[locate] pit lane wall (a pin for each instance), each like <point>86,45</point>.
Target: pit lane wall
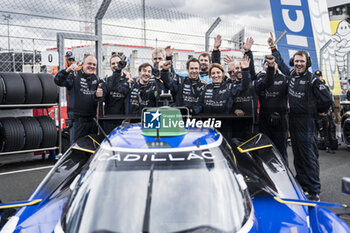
<point>308,28</point>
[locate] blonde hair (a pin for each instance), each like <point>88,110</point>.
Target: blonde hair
<point>158,50</point>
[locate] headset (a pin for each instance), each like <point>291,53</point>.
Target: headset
<point>308,59</point>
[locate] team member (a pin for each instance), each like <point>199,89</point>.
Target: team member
<point>69,59</point>
<point>231,72</point>
<point>187,90</point>
<point>114,99</point>
<point>159,56</point>
<point>326,125</point>
<point>205,60</point>
<point>272,90</point>
<point>143,93</point>
<point>81,93</point>
<point>305,90</point>
<point>218,96</point>
<point>244,103</point>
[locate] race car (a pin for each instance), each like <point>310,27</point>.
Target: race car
<point>167,174</point>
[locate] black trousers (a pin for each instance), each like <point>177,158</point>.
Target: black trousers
<point>277,131</point>
<point>243,128</point>
<point>303,132</point>
<point>327,130</point>
<point>109,125</point>
<point>81,127</point>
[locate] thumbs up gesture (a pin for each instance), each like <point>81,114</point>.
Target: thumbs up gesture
<point>99,91</point>
<point>72,67</point>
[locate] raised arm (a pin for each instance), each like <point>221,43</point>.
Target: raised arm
<point>282,66</point>
<point>246,78</point>
<point>63,79</point>
<point>216,54</point>
<point>247,51</point>
<point>271,69</point>
<point>171,84</point>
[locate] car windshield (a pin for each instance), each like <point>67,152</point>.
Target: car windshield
<point>158,192</point>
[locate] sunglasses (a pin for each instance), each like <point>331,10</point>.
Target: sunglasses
<point>71,59</point>
<point>231,72</point>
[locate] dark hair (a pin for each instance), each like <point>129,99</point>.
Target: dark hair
<point>113,56</point>
<point>301,53</point>
<point>144,65</point>
<point>205,55</point>
<point>216,65</point>
<point>192,60</point>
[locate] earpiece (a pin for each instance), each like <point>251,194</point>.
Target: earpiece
<point>308,60</point>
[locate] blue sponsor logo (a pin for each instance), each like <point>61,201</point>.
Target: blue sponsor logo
<point>151,120</point>
<point>294,17</point>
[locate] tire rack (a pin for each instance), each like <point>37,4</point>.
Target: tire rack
<point>13,156</point>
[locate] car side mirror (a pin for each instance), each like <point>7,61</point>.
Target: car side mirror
<point>345,185</point>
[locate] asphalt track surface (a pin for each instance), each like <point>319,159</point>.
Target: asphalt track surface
<point>19,180</point>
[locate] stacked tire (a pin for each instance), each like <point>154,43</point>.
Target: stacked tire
<point>27,88</point>
<point>25,133</point>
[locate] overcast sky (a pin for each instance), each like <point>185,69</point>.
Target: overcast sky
<point>245,12</point>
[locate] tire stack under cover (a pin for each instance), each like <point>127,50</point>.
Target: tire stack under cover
<point>24,133</point>
<point>27,88</point>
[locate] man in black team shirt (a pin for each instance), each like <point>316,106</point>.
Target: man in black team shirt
<point>81,96</point>
<point>143,93</point>
<point>305,91</point>
<point>186,90</point>
<point>272,89</point>
<point>114,99</point>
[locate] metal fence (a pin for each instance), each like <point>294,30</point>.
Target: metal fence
<point>28,33</point>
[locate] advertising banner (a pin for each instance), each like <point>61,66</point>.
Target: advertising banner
<point>308,28</point>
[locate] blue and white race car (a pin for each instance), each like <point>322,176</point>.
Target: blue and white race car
<point>170,179</point>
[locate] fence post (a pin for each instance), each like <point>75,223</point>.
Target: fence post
<point>210,30</point>
<point>33,63</point>
<point>133,68</point>
<point>22,56</point>
<point>14,62</point>
<point>98,32</point>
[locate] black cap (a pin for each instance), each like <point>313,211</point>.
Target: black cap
<point>318,73</point>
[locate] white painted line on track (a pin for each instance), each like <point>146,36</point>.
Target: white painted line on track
<point>25,170</point>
